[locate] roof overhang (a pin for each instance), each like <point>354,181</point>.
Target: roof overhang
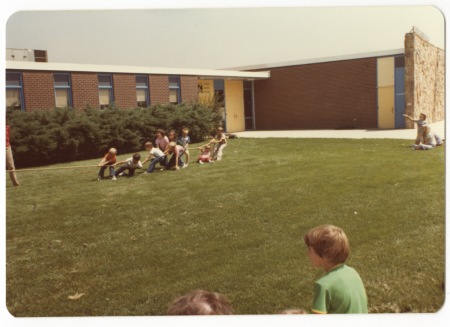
<point>200,73</point>
<point>375,54</point>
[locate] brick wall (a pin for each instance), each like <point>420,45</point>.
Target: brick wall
<point>38,91</point>
<point>159,89</point>
<point>85,90</point>
<point>318,96</point>
<point>424,79</point>
<point>125,90</point>
<point>189,88</point>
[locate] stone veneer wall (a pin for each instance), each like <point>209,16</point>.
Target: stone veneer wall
<point>424,79</point>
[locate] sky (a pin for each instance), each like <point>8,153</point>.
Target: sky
<point>217,37</point>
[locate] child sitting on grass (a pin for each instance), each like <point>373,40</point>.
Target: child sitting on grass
<point>205,155</point>
<point>108,161</point>
<point>131,164</point>
<point>155,154</point>
<point>341,289</point>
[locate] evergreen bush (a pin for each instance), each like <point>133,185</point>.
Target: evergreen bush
<point>61,135</point>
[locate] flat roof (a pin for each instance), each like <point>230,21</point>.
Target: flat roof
<point>384,53</point>
<point>201,73</point>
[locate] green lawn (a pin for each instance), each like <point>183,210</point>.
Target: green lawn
<point>235,227</point>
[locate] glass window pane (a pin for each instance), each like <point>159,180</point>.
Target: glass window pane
<point>62,98</point>
<point>174,82</point>
<point>12,79</point>
<point>13,98</point>
<point>141,81</point>
<point>141,95</point>
<point>104,80</point>
<point>104,96</point>
<point>61,80</point>
<point>173,96</point>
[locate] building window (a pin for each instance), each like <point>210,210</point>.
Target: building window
<point>105,90</point>
<point>63,92</point>
<point>142,94</point>
<point>14,91</point>
<point>174,90</point>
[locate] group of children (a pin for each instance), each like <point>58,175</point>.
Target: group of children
<point>159,153</point>
<point>425,139</point>
<point>339,290</point>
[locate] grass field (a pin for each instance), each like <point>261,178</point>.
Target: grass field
<point>234,227</point>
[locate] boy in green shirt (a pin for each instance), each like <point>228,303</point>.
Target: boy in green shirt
<point>341,289</point>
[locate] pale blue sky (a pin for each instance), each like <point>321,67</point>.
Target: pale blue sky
<point>217,38</point>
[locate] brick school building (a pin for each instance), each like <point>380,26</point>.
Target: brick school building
<point>364,91</point>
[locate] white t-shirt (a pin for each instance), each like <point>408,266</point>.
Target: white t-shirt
<point>156,152</point>
<point>131,164</point>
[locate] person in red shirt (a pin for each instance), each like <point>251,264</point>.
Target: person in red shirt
<point>10,159</point>
<point>108,161</point>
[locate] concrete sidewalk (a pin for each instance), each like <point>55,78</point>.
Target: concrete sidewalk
<point>406,134</point>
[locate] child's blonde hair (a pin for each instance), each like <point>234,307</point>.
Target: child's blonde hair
<point>329,242</point>
<point>148,144</point>
<point>113,151</point>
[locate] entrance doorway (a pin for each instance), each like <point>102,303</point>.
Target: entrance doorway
<point>248,106</point>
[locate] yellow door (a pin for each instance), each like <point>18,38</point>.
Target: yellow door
<point>234,106</point>
<point>386,92</point>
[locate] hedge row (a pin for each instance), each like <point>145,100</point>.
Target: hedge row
<point>63,135</point>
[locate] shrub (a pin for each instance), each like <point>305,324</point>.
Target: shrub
<point>62,135</point>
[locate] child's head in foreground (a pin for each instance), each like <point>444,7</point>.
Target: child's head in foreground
<point>200,302</point>
<point>329,243</point>
<point>220,130</point>
<point>112,151</point>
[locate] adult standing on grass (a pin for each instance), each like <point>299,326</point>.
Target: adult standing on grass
<point>9,157</point>
<point>420,123</point>
<point>341,289</point>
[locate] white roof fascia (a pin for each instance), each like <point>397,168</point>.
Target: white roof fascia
<point>385,53</point>
<point>201,73</point>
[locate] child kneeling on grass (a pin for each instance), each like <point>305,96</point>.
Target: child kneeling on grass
<point>131,164</point>
<point>108,161</point>
<point>341,289</point>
